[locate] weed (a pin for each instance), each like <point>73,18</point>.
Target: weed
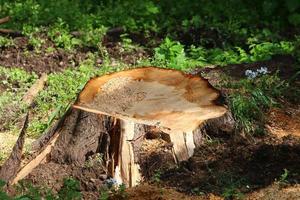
<point>265,50</point>
<point>126,42</point>
<point>170,54</point>
<point>156,178</point>
<point>50,50</point>
<point>59,33</point>
<point>3,194</point>
<point>34,41</point>
<point>15,82</point>
<point>284,177</point>
<point>70,190</point>
<point>93,37</point>
<point>104,195</point>
<point>95,160</point>
<point>114,191</point>
<point>6,42</point>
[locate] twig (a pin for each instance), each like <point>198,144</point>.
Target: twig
<point>10,32</point>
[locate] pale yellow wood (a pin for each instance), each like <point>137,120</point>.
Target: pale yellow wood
<point>36,161</point>
<point>127,171</point>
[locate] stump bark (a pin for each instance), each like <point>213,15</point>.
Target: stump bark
<point>114,114</point>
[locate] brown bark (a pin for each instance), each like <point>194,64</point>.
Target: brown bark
<point>11,166</point>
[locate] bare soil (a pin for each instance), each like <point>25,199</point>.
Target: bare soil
<point>42,61</point>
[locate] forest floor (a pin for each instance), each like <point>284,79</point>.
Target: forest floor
<point>265,166</point>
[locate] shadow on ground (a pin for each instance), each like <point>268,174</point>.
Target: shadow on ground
<point>229,166</point>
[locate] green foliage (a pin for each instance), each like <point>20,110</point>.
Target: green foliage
<point>33,39</point>
<point>170,54</point>
<point>253,97</point>
<point>93,37</point>
<point>127,44</point>
<point>62,89</point>
<point>6,42</point>
<point>26,191</point>
<point>284,177</point>
<point>114,192</point>
<point>156,178</point>
<point>70,190</point>
<point>17,76</point>
<point>13,85</point>
<point>265,50</point>
<point>60,35</point>
<point>3,194</point>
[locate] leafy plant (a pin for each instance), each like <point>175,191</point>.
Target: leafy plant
<point>113,191</point>
<point>284,176</point>
<point>6,42</point>
<point>60,35</point>
<point>70,190</point>
<point>33,40</point>
<point>170,54</point>
<point>126,42</point>
<point>156,178</point>
<point>93,37</point>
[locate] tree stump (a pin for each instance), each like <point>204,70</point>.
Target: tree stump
<point>114,112</point>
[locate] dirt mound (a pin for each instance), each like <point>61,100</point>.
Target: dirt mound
<point>284,122</point>
<point>150,192</point>
<point>276,191</point>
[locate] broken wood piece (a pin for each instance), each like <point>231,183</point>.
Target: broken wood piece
<point>4,20</point>
<point>10,32</point>
<point>11,166</point>
<point>30,95</point>
<point>35,162</point>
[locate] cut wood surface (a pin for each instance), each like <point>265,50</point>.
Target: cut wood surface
<point>116,113</point>
<point>153,96</point>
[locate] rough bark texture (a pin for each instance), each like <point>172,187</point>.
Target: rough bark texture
<point>11,166</point>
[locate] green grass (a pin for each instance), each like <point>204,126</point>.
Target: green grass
<point>14,82</point>
<point>25,190</point>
